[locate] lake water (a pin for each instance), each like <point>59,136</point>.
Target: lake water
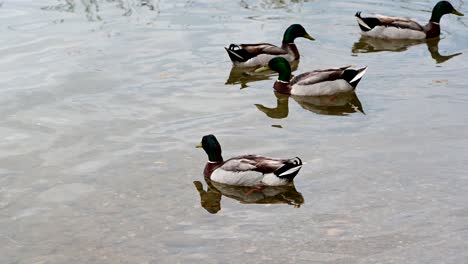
<point>102,103</point>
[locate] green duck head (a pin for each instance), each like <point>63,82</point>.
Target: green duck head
<point>295,31</point>
<point>279,65</point>
<point>442,8</point>
<point>212,148</point>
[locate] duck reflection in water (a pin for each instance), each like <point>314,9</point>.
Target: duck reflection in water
<point>243,76</point>
<point>369,45</point>
<point>339,105</point>
<point>210,199</point>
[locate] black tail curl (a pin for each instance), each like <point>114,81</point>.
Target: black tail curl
<point>297,161</point>
<point>292,163</point>
<point>234,47</point>
<point>237,54</point>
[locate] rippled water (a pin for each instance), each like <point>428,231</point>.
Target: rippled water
<point>102,102</point>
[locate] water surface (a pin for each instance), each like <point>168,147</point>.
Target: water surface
<point>102,102</point>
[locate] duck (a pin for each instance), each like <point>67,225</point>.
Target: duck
<point>386,27</point>
<point>314,83</point>
<point>255,55</point>
<point>247,170</point>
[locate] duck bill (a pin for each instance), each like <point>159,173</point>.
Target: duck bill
<point>455,12</point>
<point>263,69</point>
<point>307,36</point>
<point>199,145</point>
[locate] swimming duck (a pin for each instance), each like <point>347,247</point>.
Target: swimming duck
<point>314,83</point>
<point>403,28</point>
<point>254,55</point>
<point>247,170</point>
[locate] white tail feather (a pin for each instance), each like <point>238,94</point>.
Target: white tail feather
<point>290,171</point>
<point>362,23</point>
<point>230,51</point>
<point>359,75</point>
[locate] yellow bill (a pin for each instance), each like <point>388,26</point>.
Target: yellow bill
<point>199,145</point>
<point>307,36</point>
<point>455,12</point>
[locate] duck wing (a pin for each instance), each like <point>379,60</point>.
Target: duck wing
<point>399,22</point>
<point>263,48</point>
<point>317,76</point>
<point>262,164</point>
<point>251,170</point>
<point>244,52</point>
<point>352,76</point>
<point>239,164</point>
<point>368,23</point>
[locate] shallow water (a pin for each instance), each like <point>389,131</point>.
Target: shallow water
<point>102,103</point>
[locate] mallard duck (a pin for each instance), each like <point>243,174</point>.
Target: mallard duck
<point>314,83</point>
<point>254,55</point>
<point>403,28</point>
<point>247,170</point>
